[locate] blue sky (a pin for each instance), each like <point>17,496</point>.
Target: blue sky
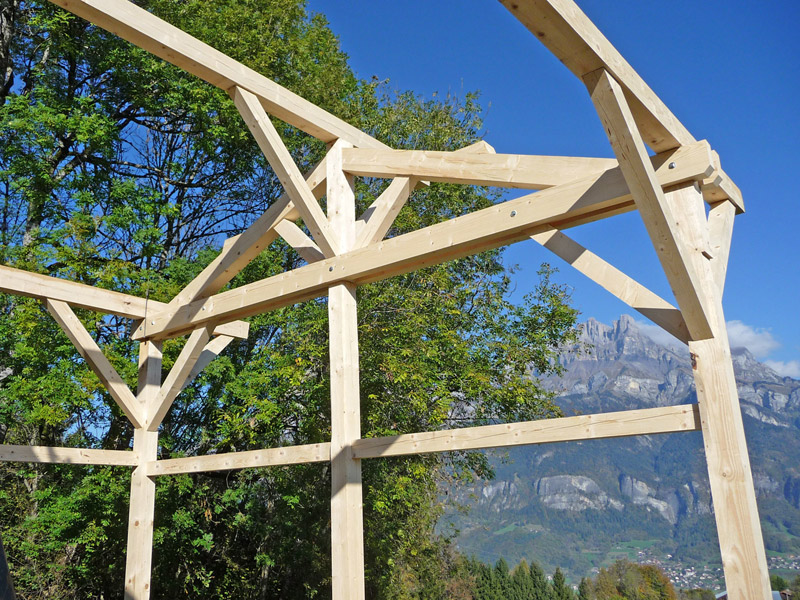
<point>729,70</point>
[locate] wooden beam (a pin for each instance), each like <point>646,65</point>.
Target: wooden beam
<point>213,349</point>
<point>473,168</point>
<point>158,37</point>
<point>730,477</point>
<point>646,421</point>
<point>347,518</point>
<point>268,457</point>
<point>141,513</point>
<point>240,250</point>
<point>720,233</point>
<point>96,360</point>
<point>627,289</point>
<point>285,168</point>
<point>663,223</point>
<point>563,206</point>
<point>297,239</point>
<point>67,456</point>
<point>42,287</point>
<point>569,34</point>
<point>178,377</point>
<point>378,218</point>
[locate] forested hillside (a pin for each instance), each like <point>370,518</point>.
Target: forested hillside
<point>121,171</point>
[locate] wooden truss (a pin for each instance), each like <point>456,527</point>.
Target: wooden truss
<point>345,250</point>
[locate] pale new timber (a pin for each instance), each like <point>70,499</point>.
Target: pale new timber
<point>42,287</point>
<point>564,206</point>
<point>663,223</point>
<point>141,512</point>
<point>96,360</point>
<point>578,43</point>
<point>285,168</point>
<point>720,233</point>
<point>158,37</point>
<point>646,421</point>
<point>178,377</point>
<point>212,350</point>
<point>627,289</point>
<point>730,478</point>
<point>297,239</point>
<point>473,168</point>
<point>268,457</point>
<point>347,518</point>
<point>378,218</point>
<point>67,456</point>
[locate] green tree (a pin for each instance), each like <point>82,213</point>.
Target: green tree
<point>561,591</point>
<point>121,171</point>
<point>778,583</point>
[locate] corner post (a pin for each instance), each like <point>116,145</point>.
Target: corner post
<point>347,521</point>
<point>138,564</point>
<point>741,542</point>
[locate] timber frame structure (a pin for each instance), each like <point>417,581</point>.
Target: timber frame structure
<point>669,190</point>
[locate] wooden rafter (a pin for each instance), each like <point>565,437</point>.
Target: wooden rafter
<point>720,233</point>
<point>577,42</point>
<point>562,206</point>
<point>158,37</point>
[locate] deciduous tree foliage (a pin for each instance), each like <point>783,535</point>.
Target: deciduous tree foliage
<point>121,171</point>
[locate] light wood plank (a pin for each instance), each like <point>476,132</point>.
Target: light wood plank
<point>473,168</point>
<point>572,37</point>
<point>141,513</point>
<point>564,206</point>
<point>730,476</point>
<point>630,291</point>
<point>663,224</point>
<point>347,520</point>
<point>268,457</point>
<point>720,234</point>
<point>297,239</point>
<point>158,37</point>
<point>96,360</point>
<point>646,421</point>
<point>212,350</point>
<point>378,218</point>
<point>240,250</point>
<point>178,377</point>
<point>67,456</point>
<point>285,168</point>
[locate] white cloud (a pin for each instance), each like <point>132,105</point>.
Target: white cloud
<point>659,336</point>
<point>760,342</point>
<point>790,368</point>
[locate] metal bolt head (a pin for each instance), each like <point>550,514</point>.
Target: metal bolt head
<point>330,269</point>
<point>672,165</point>
<point>513,213</point>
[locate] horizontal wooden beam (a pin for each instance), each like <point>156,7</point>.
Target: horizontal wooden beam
<point>624,287</point>
<point>268,457</point>
<point>158,37</point>
<point>473,168</point>
<point>646,421</point>
<point>43,287</point>
<point>563,206</point>
<point>577,42</point>
<point>67,456</point>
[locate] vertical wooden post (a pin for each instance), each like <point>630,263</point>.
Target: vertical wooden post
<point>143,488</point>
<point>347,524</point>
<point>738,527</point>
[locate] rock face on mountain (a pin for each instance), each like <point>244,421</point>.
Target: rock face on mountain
<point>561,503</point>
